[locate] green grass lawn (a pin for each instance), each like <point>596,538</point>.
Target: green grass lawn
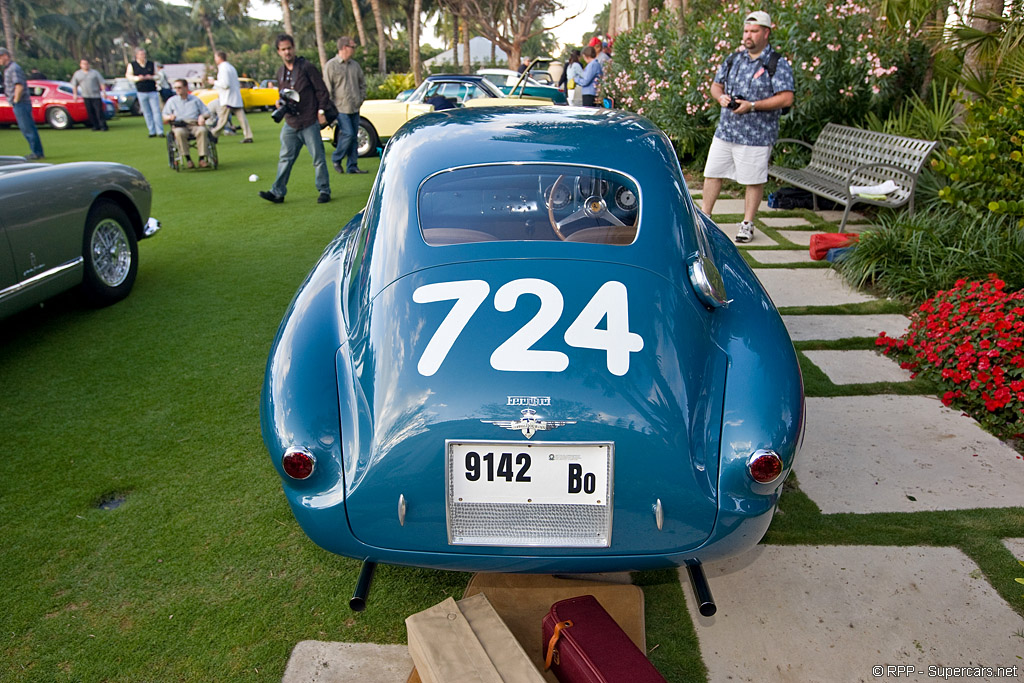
<point>202,574</point>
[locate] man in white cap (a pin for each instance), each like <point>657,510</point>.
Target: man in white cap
<point>752,86</point>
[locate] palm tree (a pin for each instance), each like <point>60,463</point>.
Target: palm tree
<point>318,23</point>
<point>5,17</point>
<point>382,58</point>
<point>205,12</point>
<point>357,13</point>
<point>286,12</point>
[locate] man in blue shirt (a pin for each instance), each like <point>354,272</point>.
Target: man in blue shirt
<point>187,114</point>
<point>591,77</point>
<point>752,86</point>
<point>16,89</point>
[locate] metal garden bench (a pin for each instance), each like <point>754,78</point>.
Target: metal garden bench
<point>843,156</point>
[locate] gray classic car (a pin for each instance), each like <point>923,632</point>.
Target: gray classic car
<point>69,225</point>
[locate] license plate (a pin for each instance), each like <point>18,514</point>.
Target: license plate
<point>540,473</point>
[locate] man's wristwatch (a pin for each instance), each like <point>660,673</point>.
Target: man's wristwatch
<point>753,105</point>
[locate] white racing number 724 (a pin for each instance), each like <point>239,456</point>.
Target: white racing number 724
<point>516,354</point>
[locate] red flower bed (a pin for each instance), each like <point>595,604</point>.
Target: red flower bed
<point>970,339</point>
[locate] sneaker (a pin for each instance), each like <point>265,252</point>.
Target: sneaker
<point>323,198</point>
<point>247,140</point>
<point>357,170</point>
<point>34,157</point>
<point>746,232</point>
<point>338,168</point>
<point>271,197</point>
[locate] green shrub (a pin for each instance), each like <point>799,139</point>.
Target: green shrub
<point>387,88</point>
<point>985,171</point>
<point>913,257</point>
<point>843,67</point>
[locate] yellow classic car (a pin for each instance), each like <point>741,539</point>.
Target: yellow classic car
<point>379,119</point>
<point>254,96</point>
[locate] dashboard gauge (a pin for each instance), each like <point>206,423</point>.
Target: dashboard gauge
<point>625,199</point>
<point>560,198</point>
<point>592,187</point>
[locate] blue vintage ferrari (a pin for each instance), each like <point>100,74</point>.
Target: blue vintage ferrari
<point>531,353</point>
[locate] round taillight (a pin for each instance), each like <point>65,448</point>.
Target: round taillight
<point>298,463</point>
<point>764,466</point>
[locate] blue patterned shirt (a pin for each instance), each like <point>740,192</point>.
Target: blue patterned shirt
<point>748,80</point>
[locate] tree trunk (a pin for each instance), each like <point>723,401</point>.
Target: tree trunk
<point>318,25</point>
<point>974,61</point>
<point>414,41</point>
<point>208,26</point>
<point>455,41</point>
<point>359,23</point>
<point>5,17</point>
<point>467,63</point>
<point>613,17</point>
<point>382,57</point>
<point>643,11</point>
<point>286,11</point>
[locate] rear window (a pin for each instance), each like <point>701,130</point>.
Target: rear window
<point>531,202</point>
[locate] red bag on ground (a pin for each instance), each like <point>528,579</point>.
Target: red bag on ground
<point>822,242</point>
<point>583,644</point>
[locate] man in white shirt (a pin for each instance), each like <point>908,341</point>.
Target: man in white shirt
<point>230,95</point>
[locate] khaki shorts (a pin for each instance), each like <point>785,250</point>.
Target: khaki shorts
<point>742,163</point>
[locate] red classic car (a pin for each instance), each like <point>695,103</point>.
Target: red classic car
<point>54,103</point>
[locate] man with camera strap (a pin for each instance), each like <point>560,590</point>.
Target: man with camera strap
<point>303,116</point>
<point>752,86</point>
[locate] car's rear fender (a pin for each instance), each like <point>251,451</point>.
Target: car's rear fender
<point>764,404</point>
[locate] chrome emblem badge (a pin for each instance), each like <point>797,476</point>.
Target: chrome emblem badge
<point>530,423</point>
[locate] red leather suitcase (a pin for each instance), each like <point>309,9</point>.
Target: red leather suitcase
<point>583,644</point>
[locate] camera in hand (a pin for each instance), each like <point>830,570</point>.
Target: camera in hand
<point>734,101</point>
<point>288,104</point>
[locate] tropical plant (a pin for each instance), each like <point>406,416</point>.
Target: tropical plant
<point>387,88</point>
<point>985,171</point>
<point>913,257</point>
<point>937,118</point>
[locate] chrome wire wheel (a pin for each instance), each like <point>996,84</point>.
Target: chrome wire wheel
<point>111,252</point>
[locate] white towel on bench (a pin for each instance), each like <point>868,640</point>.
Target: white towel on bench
<point>885,188</point>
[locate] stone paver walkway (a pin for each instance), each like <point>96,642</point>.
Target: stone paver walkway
<point>903,454</point>
<point>830,327</point>
<point>802,237</point>
<point>808,287</point>
<point>857,367</point>
<point>315,661</point>
<point>834,613</point>
<point>784,221</point>
<point>760,239</point>
<point>776,256</point>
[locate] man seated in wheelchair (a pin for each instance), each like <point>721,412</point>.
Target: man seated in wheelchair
<point>188,116</point>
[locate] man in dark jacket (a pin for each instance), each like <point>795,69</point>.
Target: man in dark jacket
<point>303,126</point>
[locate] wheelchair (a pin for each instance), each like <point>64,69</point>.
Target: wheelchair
<point>176,157</point>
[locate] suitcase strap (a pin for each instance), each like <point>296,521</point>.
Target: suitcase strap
<point>554,639</point>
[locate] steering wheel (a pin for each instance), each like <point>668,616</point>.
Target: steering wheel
<point>593,207</point>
